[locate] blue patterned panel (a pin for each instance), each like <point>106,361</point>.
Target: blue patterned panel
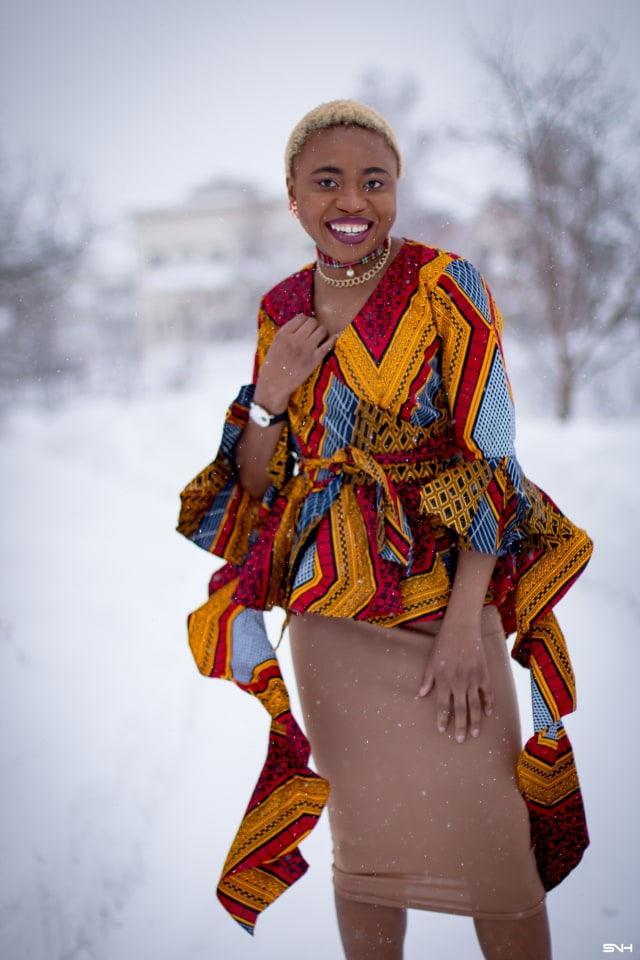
<point>318,502</point>
<point>426,411</point>
<point>470,282</point>
<point>495,428</point>
<point>541,716</point>
<point>513,531</point>
<point>231,432</point>
<point>210,524</point>
<point>514,471</point>
<point>250,644</point>
<point>304,573</point>
<point>340,406</point>
<point>553,732</point>
<point>483,529</point>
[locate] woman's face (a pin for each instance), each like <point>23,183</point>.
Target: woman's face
<point>345,183</point>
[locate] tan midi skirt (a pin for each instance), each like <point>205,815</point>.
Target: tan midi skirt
<point>417,819</point>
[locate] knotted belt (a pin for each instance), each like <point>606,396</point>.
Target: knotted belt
<point>354,465</point>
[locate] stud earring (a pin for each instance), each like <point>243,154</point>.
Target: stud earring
<point>293,208</point>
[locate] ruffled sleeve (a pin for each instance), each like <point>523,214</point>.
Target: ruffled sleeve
<point>216,513</point>
<point>483,497</point>
<point>228,640</point>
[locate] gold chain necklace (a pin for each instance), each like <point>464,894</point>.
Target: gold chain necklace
<point>356,281</point>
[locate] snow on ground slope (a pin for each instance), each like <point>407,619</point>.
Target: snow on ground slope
<point>123,773</point>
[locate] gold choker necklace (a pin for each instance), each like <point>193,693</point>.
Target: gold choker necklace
<point>356,281</point>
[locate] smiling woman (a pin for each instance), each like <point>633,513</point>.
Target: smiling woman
<point>347,205</point>
<point>367,483</point>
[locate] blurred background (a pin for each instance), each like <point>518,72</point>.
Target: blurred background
<point>142,202</point>
<point>142,214</point>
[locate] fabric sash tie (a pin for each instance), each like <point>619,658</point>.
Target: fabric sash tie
<point>394,539</point>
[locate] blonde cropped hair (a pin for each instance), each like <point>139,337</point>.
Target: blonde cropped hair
<point>339,113</point>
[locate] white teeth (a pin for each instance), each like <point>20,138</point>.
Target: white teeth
<point>350,228</point>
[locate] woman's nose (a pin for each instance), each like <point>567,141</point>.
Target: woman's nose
<point>351,199</point>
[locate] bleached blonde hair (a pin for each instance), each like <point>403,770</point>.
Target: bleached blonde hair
<point>338,113</point>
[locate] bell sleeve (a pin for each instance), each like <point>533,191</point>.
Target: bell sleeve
<point>483,496</point>
<point>216,513</point>
<point>229,641</point>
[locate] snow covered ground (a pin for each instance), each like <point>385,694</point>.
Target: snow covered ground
<point>123,773</point>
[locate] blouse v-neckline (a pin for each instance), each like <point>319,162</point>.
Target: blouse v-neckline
<point>357,319</point>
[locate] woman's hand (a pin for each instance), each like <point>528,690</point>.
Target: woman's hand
<point>297,349</point>
<point>457,668</point>
<point>457,671</point>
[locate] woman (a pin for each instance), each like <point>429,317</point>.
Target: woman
<point>367,483</point>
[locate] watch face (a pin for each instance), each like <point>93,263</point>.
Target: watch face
<point>259,415</point>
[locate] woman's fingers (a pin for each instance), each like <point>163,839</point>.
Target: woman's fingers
<point>461,707</point>
<point>302,336</point>
<point>457,671</point>
<point>427,682</point>
<point>475,713</point>
<point>296,323</point>
<point>443,710</point>
<point>297,350</point>
<point>304,328</point>
<point>322,341</point>
<point>464,707</point>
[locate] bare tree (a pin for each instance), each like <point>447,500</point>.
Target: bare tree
<point>567,128</point>
<point>44,234</point>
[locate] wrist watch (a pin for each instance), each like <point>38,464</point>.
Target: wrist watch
<point>262,417</point>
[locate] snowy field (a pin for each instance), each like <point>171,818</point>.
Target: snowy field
<point>123,773</point>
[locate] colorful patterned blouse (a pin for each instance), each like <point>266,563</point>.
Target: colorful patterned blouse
<point>399,452</point>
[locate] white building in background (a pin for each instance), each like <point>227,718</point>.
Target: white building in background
<point>203,266</point>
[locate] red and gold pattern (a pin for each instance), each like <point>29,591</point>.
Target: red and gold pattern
<point>399,452</point>
<point>264,859</point>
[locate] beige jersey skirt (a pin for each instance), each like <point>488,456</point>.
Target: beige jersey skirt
<point>417,819</point>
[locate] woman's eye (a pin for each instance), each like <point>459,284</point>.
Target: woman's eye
<point>326,182</point>
<point>373,184</point>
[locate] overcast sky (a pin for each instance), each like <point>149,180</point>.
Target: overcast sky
<point>143,100</point>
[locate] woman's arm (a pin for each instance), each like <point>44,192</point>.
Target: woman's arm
<point>457,667</point>
<point>297,349</point>
<point>481,409</point>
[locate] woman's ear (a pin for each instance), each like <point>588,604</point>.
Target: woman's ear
<point>293,204</point>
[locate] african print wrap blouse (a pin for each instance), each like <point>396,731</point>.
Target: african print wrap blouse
<point>398,453</point>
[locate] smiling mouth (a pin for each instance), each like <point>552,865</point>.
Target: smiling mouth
<point>349,230</point>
